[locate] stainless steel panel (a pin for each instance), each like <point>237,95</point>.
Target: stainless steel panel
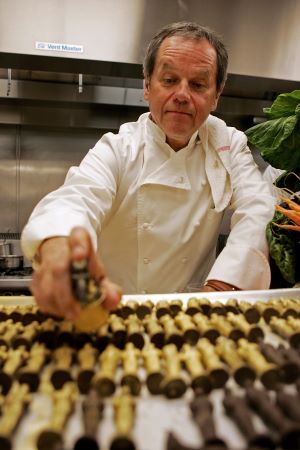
<point>109,30</point>
<point>35,90</point>
<point>262,36</point>
<point>46,155</point>
<point>100,118</point>
<point>14,284</point>
<point>61,92</point>
<point>8,179</point>
<point>34,162</point>
<point>249,296</point>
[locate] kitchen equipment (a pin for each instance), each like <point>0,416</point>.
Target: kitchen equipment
<point>11,262</point>
<point>5,249</point>
<point>15,280</point>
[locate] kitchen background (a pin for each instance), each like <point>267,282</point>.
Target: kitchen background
<point>55,104</point>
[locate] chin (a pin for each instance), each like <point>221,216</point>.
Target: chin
<point>180,134</point>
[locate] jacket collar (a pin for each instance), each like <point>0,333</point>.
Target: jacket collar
<point>171,169</point>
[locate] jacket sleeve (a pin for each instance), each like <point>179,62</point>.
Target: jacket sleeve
<point>244,260</point>
<point>83,200</point>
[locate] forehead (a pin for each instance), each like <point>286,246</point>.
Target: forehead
<point>187,52</point>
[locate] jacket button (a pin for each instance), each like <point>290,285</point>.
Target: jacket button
<point>145,226</point>
<point>146,260</point>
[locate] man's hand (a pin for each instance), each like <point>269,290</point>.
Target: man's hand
<point>51,282</point>
<point>219,286</point>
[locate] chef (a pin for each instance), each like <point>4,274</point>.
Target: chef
<point>146,204</point>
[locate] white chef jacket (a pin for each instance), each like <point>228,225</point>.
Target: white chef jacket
<point>270,175</point>
<point>154,214</point>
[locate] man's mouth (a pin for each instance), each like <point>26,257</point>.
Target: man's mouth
<point>183,113</point>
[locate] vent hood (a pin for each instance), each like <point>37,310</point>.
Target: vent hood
<point>96,47</point>
<point>262,36</point>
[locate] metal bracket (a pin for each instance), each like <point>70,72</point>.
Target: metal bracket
<point>8,82</point>
<point>80,83</point>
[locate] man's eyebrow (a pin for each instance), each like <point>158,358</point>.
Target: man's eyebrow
<point>201,72</point>
<point>167,66</point>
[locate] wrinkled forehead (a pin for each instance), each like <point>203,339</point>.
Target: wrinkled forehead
<point>195,54</point>
<point>178,43</point>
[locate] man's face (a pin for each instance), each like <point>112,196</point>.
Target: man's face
<point>182,89</point>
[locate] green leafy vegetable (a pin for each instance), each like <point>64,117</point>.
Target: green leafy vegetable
<point>282,247</point>
<point>284,105</point>
<point>271,134</point>
<point>287,155</point>
<point>278,138</point>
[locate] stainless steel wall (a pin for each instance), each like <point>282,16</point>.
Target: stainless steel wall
<point>33,162</point>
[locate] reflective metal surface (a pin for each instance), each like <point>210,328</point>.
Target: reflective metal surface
<point>249,296</point>
<point>15,280</point>
<point>262,36</point>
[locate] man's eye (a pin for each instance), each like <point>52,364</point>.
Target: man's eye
<point>168,80</point>
<point>198,85</point>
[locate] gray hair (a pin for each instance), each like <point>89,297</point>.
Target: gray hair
<point>190,30</point>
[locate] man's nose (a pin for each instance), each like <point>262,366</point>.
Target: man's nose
<point>182,93</point>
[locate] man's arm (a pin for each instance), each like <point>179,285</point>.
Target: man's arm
<point>243,262</point>
<point>218,286</point>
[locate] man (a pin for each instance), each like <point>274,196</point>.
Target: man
<point>145,205</point>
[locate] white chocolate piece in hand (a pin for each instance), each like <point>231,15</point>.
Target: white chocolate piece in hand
<point>91,317</point>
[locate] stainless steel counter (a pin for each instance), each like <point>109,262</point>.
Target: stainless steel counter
<point>251,296</point>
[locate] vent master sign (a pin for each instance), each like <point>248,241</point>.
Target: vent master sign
<point>56,47</point>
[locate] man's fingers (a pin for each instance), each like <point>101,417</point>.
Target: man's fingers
<point>81,247</point>
<point>113,294</point>
<point>64,298</point>
<point>80,244</point>
<point>43,295</point>
<point>52,292</point>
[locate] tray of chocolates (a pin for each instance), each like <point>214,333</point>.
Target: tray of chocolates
<point>182,371</point>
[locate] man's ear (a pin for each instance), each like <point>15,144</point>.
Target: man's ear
<point>146,88</point>
<point>218,95</point>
